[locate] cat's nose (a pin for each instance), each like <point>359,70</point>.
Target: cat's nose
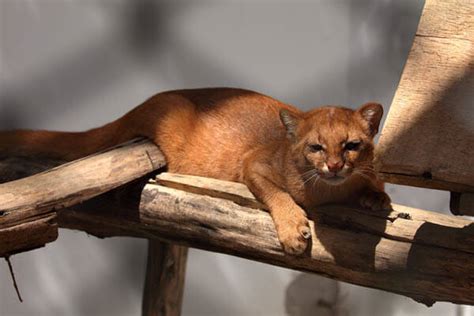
<point>335,165</point>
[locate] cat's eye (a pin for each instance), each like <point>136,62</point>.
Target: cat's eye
<point>315,147</point>
<point>352,146</point>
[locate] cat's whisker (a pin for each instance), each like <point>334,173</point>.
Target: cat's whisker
<point>316,181</point>
<point>314,176</point>
<point>309,179</point>
<point>309,171</point>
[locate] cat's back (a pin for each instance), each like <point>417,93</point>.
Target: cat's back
<point>207,132</point>
<point>231,112</point>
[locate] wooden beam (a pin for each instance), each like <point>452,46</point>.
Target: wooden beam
<point>28,206</point>
<point>423,255</point>
<point>428,134</point>
<point>164,283</point>
<point>462,203</point>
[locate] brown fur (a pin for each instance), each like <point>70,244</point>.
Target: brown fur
<point>243,136</point>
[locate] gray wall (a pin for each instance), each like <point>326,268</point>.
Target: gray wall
<point>73,65</point>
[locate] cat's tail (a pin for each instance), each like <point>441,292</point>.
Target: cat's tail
<point>62,145</point>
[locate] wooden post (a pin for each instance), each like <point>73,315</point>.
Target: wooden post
<point>462,203</point>
<point>164,283</point>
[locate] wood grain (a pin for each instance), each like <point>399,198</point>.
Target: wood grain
<point>447,18</point>
<point>420,254</point>
<point>164,282</point>
<point>429,131</point>
<point>27,206</point>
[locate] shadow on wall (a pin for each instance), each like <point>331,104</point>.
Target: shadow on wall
<point>390,26</point>
<point>87,72</point>
<point>310,294</point>
<point>146,30</point>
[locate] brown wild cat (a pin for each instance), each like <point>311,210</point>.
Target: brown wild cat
<point>289,159</point>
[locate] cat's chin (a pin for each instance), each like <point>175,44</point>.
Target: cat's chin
<point>335,180</point>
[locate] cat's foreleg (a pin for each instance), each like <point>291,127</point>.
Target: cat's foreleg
<point>375,198</point>
<point>290,220</point>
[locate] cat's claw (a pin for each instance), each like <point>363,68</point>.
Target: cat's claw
<point>294,245</point>
<point>376,201</point>
<point>294,238</point>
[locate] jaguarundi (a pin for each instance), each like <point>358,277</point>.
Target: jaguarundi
<point>289,159</point>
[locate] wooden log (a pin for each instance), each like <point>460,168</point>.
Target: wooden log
<point>428,134</point>
<point>164,283</point>
<point>27,206</point>
<point>423,255</point>
<point>462,203</point>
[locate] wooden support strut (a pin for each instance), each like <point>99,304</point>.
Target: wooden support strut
<point>164,283</point>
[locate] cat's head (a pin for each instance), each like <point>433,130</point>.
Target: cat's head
<point>333,143</point>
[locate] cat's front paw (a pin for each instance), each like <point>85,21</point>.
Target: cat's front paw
<point>376,201</point>
<point>294,236</point>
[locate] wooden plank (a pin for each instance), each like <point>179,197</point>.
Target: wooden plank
<point>423,181</point>
<point>164,283</point>
<point>237,192</point>
<point>462,203</point>
<point>27,214</point>
<point>423,255</point>
<point>447,18</point>
<point>429,130</point>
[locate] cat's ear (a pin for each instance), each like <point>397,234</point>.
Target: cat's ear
<point>290,121</point>
<point>371,113</point>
